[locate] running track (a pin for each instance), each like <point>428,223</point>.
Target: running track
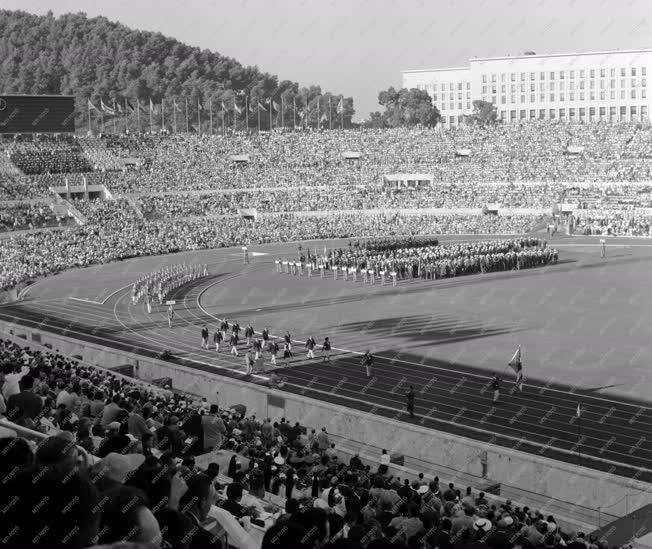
<point>615,433</point>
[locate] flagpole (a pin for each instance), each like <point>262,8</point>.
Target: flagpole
<point>234,113</point>
<point>162,114</point>
<point>342,113</point>
<point>126,117</point>
<point>579,435</point>
<point>258,113</point>
<point>282,113</point>
<point>247,113</point>
<point>271,107</point>
<point>294,115</point>
<point>88,104</point>
<point>330,125</point>
<point>138,114</point>
<point>210,114</point>
<point>223,126</point>
<point>174,105</point>
<point>198,117</point>
<point>114,111</point>
<point>318,97</point>
<point>187,123</point>
<point>151,121</point>
<point>101,120</point>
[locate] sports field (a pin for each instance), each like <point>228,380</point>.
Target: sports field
<point>584,326</point>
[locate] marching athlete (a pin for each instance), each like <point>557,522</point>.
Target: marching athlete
<point>288,340</point>
<point>273,349</point>
<point>170,316</point>
<point>258,348</point>
<point>326,350</point>
<point>310,345</point>
<point>409,397</point>
<point>249,333</point>
<point>204,338</point>
<point>217,339</point>
<point>495,385</point>
<point>367,361</point>
<point>234,344</point>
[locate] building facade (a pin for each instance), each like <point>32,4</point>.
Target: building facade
<point>576,87</point>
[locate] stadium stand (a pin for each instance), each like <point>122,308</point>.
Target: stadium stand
<point>116,440</point>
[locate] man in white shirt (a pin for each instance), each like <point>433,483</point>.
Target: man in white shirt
<point>12,379</point>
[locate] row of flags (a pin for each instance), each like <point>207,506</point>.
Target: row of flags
<point>516,364</point>
<point>265,106</point>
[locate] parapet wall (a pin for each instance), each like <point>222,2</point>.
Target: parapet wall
<point>533,473</point>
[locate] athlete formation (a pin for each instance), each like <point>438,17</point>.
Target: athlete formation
<point>424,259</point>
<point>159,284</point>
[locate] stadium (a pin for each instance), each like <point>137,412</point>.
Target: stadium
<point>240,318</point>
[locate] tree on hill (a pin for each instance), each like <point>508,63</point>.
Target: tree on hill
<point>484,113</point>
<point>99,59</point>
<point>406,108</point>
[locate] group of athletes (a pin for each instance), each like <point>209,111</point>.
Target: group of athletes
<point>158,284</point>
<point>256,346</point>
<point>228,334</point>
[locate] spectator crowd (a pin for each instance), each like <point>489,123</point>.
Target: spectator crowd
<point>117,462</point>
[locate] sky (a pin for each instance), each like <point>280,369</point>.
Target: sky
<point>358,47</point>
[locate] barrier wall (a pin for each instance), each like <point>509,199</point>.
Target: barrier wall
<point>557,480</point>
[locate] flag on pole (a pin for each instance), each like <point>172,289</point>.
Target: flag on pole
<point>275,105</point>
<point>91,106</point>
<point>105,108</point>
<point>301,114</point>
<point>129,107</point>
<point>119,108</point>
<point>340,106</point>
<point>323,118</point>
<point>176,107</point>
<point>236,108</point>
<point>153,108</point>
<point>261,106</point>
<point>251,108</point>
<point>223,106</point>
<point>578,414</point>
<point>515,364</point>
<point>199,107</point>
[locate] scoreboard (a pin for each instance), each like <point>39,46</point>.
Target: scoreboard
<point>37,114</point>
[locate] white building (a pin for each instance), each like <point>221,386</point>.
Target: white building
<point>591,86</point>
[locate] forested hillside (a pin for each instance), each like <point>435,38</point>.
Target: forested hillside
<point>98,59</point>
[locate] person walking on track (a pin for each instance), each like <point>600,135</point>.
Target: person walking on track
<point>367,361</point>
<point>326,350</point>
<point>288,340</point>
<point>249,333</point>
<point>234,344</point>
<point>249,363</point>
<point>217,339</point>
<point>273,350</point>
<point>495,385</point>
<point>170,316</point>
<point>225,328</point>
<point>204,338</point>
<point>603,248</point>
<point>287,353</point>
<point>265,335</point>
<point>409,397</point>
<point>310,345</point>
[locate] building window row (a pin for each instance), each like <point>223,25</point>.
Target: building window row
<point>594,113</point>
<point>562,75</point>
<point>571,96</point>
